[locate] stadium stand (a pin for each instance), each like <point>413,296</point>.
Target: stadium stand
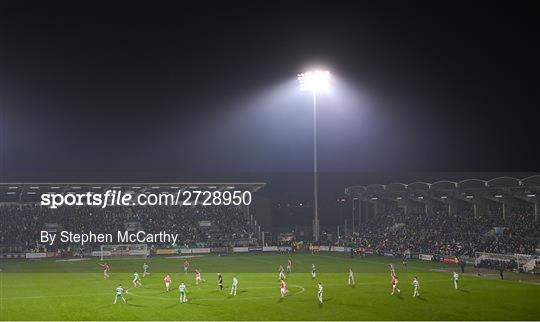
<point>437,233</point>
<point>445,218</point>
<point>198,226</point>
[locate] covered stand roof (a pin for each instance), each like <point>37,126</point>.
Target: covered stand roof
<point>527,189</point>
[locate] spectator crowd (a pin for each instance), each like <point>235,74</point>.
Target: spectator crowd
<point>390,231</point>
<point>440,234</point>
<point>20,224</point>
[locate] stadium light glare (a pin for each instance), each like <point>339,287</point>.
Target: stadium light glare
<point>314,81</point>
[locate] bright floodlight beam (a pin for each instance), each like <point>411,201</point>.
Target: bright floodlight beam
<point>315,82</point>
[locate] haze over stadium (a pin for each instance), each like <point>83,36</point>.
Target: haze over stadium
<point>283,160</point>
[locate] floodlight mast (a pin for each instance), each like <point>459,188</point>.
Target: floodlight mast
<point>314,82</point>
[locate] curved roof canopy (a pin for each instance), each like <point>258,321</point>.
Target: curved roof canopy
<point>503,182</point>
<point>396,187</point>
<point>443,185</point>
<point>375,187</point>
<point>419,186</point>
<point>447,186</point>
<point>472,184</point>
<point>532,181</point>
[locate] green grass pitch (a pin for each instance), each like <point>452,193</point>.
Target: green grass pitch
<point>76,290</point>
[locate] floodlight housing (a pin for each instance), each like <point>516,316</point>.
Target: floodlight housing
<point>314,81</point>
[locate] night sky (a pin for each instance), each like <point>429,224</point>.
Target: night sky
<point>209,86</point>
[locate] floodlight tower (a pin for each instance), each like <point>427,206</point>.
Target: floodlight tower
<point>316,81</point>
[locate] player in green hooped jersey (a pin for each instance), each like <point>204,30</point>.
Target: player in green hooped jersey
<point>183,291</point>
<point>119,294</point>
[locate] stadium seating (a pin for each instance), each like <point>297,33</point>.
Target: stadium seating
<point>441,234</point>
<point>390,231</point>
<point>22,223</point>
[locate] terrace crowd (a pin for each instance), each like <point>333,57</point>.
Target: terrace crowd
<point>196,225</point>
<point>441,234</point>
